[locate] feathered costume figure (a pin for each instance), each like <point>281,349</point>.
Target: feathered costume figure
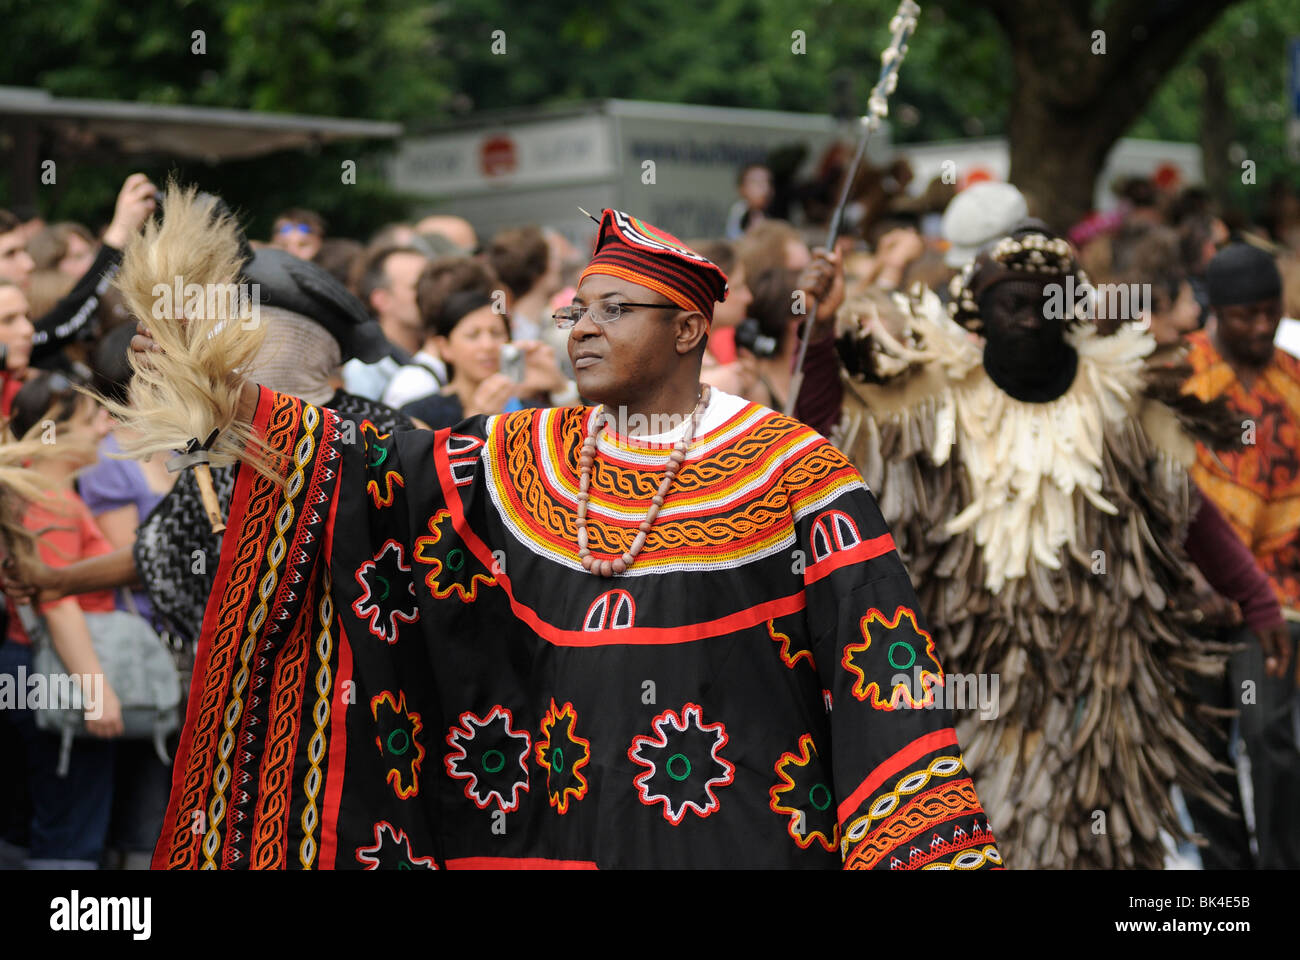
<point>297,326</point>
<point>1039,493</point>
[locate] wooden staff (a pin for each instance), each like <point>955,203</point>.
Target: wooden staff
<point>210,506</point>
<point>900,27</point>
<point>196,456</point>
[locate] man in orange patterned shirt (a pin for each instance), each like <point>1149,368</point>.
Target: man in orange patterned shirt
<point>1257,488</point>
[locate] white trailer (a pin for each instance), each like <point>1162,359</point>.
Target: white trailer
<point>673,164</point>
<point>1129,157</point>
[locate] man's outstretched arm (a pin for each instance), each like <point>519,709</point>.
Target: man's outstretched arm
<point>903,796</point>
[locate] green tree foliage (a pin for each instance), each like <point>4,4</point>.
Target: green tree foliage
<point>738,53</point>
<point>374,59</point>
<point>424,63</point>
<point>1250,42</point>
<point>363,58</point>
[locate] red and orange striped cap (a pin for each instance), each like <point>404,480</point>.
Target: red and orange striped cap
<point>632,249</point>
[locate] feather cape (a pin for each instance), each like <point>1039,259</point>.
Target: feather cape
<point>1045,542</point>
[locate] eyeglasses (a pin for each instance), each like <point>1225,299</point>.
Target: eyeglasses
<point>602,311</point>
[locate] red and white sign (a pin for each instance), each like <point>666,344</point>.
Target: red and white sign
<point>498,156</point>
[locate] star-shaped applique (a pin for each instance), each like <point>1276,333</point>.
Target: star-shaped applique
<point>491,756</point>
<point>563,754</point>
<point>803,792</point>
<point>453,568</point>
<point>789,656</point>
<point>388,592</point>
<point>684,766</point>
<point>896,653</point>
<point>392,851</point>
<point>398,740</point>
<point>381,484</point>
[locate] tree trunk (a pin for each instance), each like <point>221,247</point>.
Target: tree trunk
<point>1216,131</point>
<point>1055,157</point>
<point>1070,104</point>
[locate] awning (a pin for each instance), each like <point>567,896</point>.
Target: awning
<point>210,134</point>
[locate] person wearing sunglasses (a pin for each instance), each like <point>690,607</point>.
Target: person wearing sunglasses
<point>299,232</point>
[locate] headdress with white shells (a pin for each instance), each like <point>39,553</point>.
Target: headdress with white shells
<point>1032,250</point>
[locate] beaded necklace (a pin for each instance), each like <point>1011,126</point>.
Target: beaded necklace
<point>587,460</point>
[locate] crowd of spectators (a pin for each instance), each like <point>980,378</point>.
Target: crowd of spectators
<point>468,328</point>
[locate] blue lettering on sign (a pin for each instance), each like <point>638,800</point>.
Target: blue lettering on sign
<point>717,153</point>
<point>432,164</point>
<point>568,149</point>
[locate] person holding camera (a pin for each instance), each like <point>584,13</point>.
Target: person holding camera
<point>767,340</point>
<point>488,373</point>
<point>72,314</point>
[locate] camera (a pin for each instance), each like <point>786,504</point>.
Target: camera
<point>512,362</point>
<point>750,336</point>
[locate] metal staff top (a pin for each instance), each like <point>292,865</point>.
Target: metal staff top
<point>900,27</point>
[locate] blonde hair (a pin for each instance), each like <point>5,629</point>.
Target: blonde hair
<point>19,487</point>
<point>193,386</point>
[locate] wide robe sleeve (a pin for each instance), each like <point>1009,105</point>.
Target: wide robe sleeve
<point>307,741</point>
<point>904,798</point>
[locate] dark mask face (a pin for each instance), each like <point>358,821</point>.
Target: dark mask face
<point>1016,312</point>
<point>1025,351</point>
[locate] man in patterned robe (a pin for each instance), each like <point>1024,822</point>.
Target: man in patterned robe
<point>404,663</point>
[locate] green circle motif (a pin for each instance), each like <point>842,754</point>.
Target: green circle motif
<point>812,796</point>
<point>906,646</point>
<point>669,767</point>
<point>455,559</point>
<point>557,760</point>
<point>406,742</point>
<point>404,866</point>
<point>496,756</point>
